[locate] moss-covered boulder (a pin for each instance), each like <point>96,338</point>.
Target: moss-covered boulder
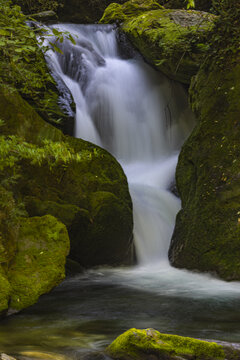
<point>77,182</point>
<point>173,41</point>
<point>207,232</point>
<point>9,226</point>
<point>39,262</point>
<point>148,344</point>
<point>32,254</point>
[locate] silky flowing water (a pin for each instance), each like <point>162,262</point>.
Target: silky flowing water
<point>142,118</point>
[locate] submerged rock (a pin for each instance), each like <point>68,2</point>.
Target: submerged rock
<point>6,357</point>
<point>148,344</point>
<point>173,41</point>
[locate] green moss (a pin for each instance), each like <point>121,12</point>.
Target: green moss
<point>174,41</point>
<point>119,13</point>
<point>142,344</point>
<point>39,264</point>
<point>66,213</point>
<point>4,292</point>
<point>21,119</point>
<point>207,231</point>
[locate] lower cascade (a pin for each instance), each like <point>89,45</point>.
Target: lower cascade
<point>136,114</point>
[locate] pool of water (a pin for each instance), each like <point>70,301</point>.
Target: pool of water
<point>86,312</point>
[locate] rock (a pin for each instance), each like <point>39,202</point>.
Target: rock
<point>207,232</point>
<point>148,344</point>
<point>74,11</point>
<point>9,225</point>
<point>84,11</point>
<point>45,16</point>
<point>106,239</point>
<point>90,196</point>
<point>6,357</point>
<point>73,267</point>
<point>32,254</point>
<point>39,263</point>
<point>173,41</point>
<point>42,355</point>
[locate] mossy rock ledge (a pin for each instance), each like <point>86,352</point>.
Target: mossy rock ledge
<point>173,41</point>
<point>149,344</point>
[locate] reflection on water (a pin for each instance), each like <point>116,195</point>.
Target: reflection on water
<point>87,312</point>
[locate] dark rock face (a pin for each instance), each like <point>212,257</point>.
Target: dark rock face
<point>203,5</point>
<point>207,232</point>
<point>84,12</point>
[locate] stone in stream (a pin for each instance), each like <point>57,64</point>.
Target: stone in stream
<point>150,344</point>
<point>6,357</point>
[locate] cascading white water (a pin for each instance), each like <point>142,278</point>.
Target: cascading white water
<point>138,115</point>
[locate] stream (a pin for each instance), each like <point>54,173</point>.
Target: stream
<point>142,118</point>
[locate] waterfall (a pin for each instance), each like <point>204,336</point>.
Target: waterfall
<point>135,113</point>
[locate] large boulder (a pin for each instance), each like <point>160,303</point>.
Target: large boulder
<point>32,254</point>
<point>87,190</point>
<point>39,262</point>
<point>147,344</point>
<point>207,232</point>
<point>173,41</point>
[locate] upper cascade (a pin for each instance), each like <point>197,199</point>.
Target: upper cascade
<point>136,114</point>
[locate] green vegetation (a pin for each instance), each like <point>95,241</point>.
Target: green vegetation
<point>137,344</point>
<point>22,63</point>
<point>35,6</point>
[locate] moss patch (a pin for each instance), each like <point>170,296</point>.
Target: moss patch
<point>144,344</point>
<point>39,264</point>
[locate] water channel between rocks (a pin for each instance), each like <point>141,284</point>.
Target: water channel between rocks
<point>142,119</point>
